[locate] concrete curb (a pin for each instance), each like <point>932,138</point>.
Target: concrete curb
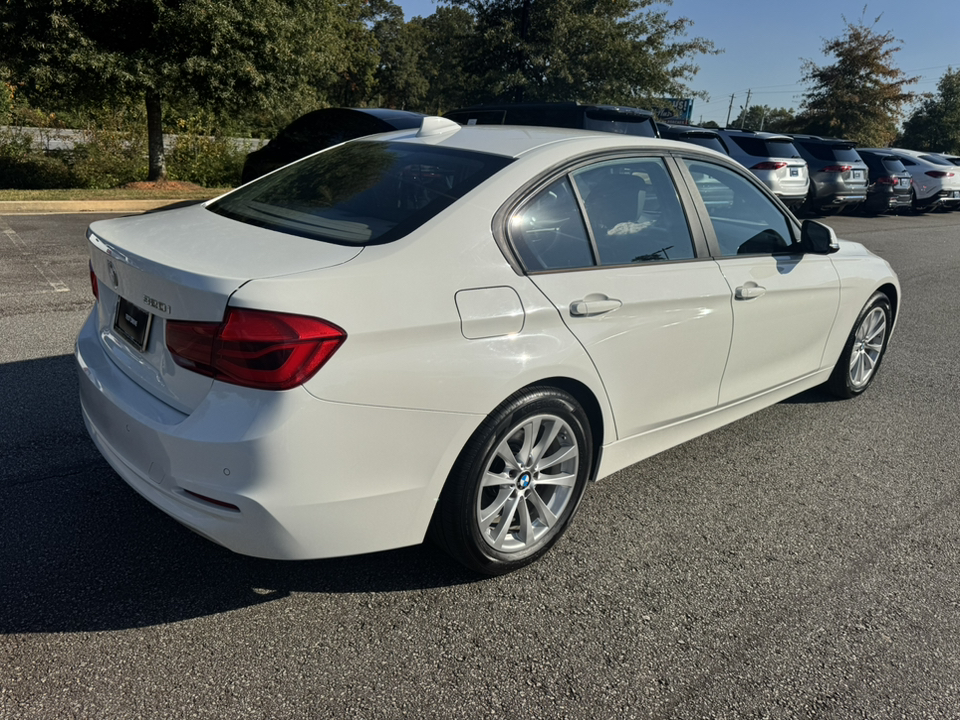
<point>49,207</point>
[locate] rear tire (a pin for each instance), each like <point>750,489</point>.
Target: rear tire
<point>517,484</point>
<point>864,349</point>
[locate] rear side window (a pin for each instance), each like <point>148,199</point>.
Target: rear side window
<point>622,212</point>
<point>361,192</point>
<point>936,159</point>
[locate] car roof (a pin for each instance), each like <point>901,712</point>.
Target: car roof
<point>516,140</point>
<point>755,133</point>
<point>546,106</point>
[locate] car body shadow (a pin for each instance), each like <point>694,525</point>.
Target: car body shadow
<point>81,551</point>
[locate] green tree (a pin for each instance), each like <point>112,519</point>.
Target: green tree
<point>765,118</point>
<point>449,37</point>
<point>613,51</point>
<point>224,54</point>
<point>935,125</point>
<point>861,95</point>
<point>400,81</point>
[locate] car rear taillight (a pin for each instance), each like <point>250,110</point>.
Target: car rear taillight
<point>886,180</point>
<point>837,168</point>
<point>938,173</point>
<point>255,348</point>
<point>769,166</point>
<point>93,282</point>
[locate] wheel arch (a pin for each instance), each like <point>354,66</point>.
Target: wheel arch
<point>591,406</point>
<point>891,292</point>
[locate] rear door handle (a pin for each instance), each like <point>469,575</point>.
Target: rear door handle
<point>749,291</point>
<point>593,305</point>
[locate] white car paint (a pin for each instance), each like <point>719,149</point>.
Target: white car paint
<point>441,327</point>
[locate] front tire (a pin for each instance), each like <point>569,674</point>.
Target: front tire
<point>864,349</point>
<point>517,484</point>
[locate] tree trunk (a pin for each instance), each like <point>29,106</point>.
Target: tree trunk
<point>158,163</point>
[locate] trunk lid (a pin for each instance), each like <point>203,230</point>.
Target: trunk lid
<point>183,264</point>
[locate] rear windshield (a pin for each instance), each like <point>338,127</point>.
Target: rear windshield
<point>707,140</point>
<point>894,166</point>
<point>361,192</point>
<point>613,122</point>
<point>832,153</point>
<point>758,147</point>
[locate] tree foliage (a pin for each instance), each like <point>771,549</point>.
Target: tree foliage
<point>449,38</point>
<point>608,51</point>
<point>861,95</point>
<point>227,54</point>
<point>765,118</point>
<point>935,125</point>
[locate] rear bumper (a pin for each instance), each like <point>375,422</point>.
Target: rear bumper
<point>832,195</point>
<point>305,478</point>
<point>880,201</point>
<point>949,198</point>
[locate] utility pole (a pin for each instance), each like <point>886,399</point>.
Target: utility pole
<point>746,107</point>
<point>729,110</point>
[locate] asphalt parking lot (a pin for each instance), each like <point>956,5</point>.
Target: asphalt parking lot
<point>801,563</point>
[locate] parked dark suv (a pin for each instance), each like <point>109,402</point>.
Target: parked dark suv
<point>889,185</point>
<point>838,176</point>
<point>704,137</point>
<point>606,118</point>
<point>321,129</point>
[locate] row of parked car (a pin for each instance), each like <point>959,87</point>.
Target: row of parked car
<point>822,175</point>
<point>809,173</point>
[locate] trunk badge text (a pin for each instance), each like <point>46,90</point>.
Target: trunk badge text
<point>156,305</point>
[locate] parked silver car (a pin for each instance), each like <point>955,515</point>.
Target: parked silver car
<point>773,159</point>
<point>838,175</point>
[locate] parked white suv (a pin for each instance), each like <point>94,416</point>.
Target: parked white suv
<point>773,159</point>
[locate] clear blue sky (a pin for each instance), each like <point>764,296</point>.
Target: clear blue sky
<point>766,41</point>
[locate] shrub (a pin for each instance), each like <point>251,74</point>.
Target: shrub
<point>202,157</point>
<point>113,153</point>
<point>34,172</point>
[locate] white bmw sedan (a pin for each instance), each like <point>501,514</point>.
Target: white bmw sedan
<point>455,330</point>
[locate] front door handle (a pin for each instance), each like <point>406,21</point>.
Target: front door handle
<point>749,291</point>
<point>593,305</point>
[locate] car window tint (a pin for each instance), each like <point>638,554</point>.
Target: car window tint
<point>361,192</point>
<point>818,150</point>
<point>634,212</point>
<point>548,231</point>
<point>618,122</point>
<point>745,220</point>
<point>936,159</point>
<point>758,147</point>
<point>893,165</point>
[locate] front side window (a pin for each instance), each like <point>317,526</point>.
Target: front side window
<point>745,220</point>
<point>361,192</point>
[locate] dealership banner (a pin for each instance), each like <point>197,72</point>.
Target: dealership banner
<point>678,111</point>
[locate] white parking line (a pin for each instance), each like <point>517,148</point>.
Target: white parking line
<point>49,277</point>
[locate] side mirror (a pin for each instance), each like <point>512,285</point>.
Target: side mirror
<point>815,237</point>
